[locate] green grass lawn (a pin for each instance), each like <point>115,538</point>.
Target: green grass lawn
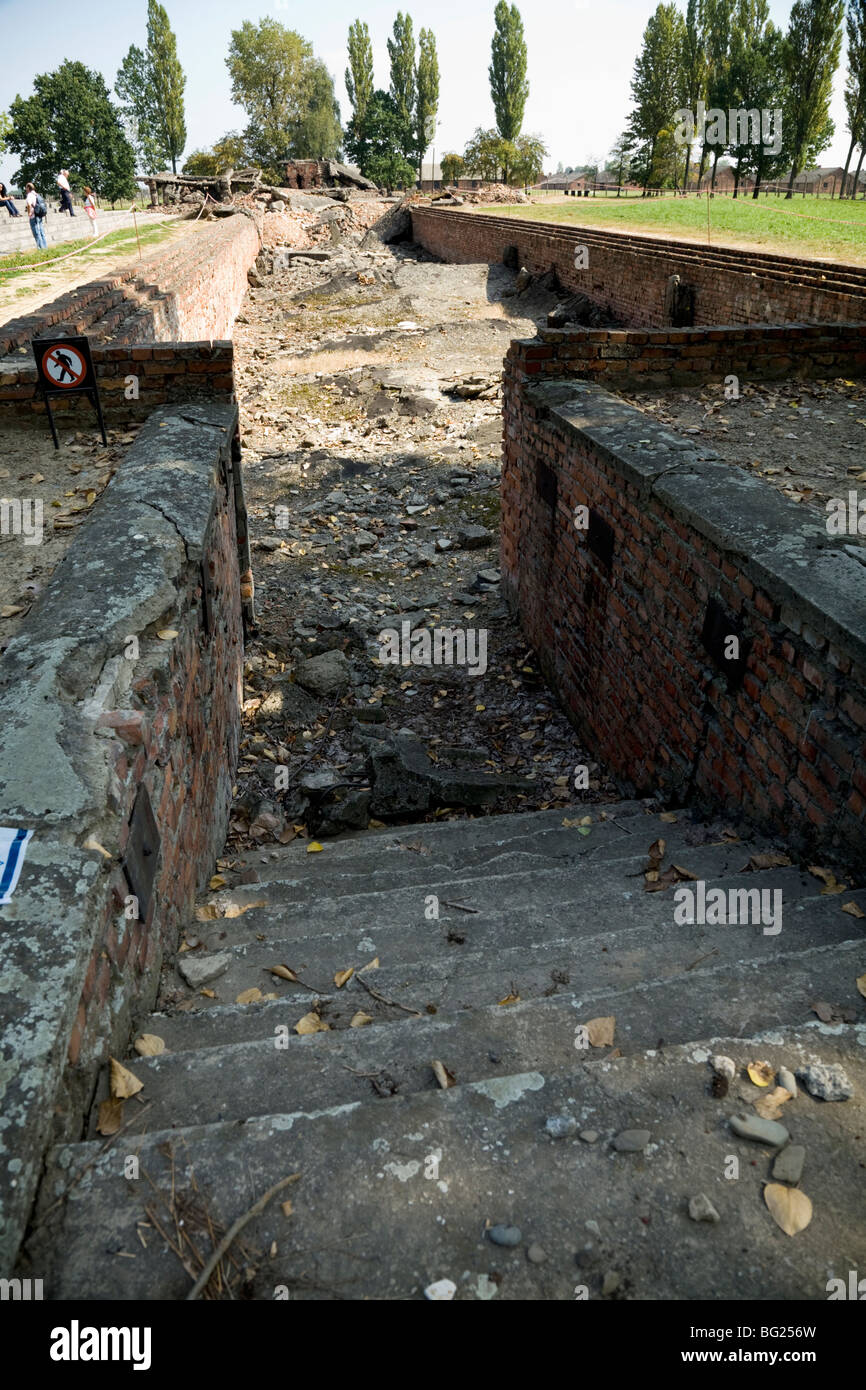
<point>13,265</point>
<point>818,227</point>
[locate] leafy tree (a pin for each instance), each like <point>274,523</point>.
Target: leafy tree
<point>318,134</point>
<point>201,164</point>
<point>230,152</point>
<point>168,81</point>
<point>267,65</point>
<point>530,153</point>
<point>719,20</point>
<point>427,93</point>
<point>70,123</point>
<point>656,87</point>
<point>134,88</point>
<point>359,73</point>
<point>619,161</point>
<point>403,90</point>
<point>453,167</point>
<point>5,127</point>
<point>376,143</point>
<point>487,154</point>
<point>756,65</point>
<point>855,87</point>
<point>508,85</point>
<point>693,63</point>
<point>810,57</point>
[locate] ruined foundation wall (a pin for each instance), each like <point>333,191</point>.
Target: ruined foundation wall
<point>679,549</point>
<point>126,681</point>
<point>628,275</point>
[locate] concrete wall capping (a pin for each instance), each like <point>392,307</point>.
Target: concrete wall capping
<point>85,726</point>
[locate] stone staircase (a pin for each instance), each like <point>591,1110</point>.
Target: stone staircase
<point>541,928</point>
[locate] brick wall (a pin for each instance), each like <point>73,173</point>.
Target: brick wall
<point>617,615</point>
<point>628,275</point>
<point>164,373</point>
<point>629,359</point>
<point>192,289</point>
<point>124,680</point>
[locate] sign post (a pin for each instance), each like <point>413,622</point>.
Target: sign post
<point>64,367</point>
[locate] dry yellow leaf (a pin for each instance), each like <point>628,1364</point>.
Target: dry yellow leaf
<point>669,817</point>
<point>110,1116</point>
<point>789,1207</point>
<point>853,910</point>
<point>217,881</point>
<point>510,999</point>
<point>761,1073</point>
<point>343,977</point>
<point>600,1031</point>
<point>207,912</point>
<point>208,993</point>
<point>860,982</point>
<point>248,996</point>
<point>286,1208</point>
<point>375,825</point>
<point>314,847</point>
<point>311,1023</point>
<point>445,1077</point>
<point>91,843</point>
<point>360,1019</point>
<point>167,634</point>
<point>238,909</point>
<point>149,1045</point>
<point>769,1107</point>
<point>123,1084</point>
<point>371,965</point>
<point>283,972</point>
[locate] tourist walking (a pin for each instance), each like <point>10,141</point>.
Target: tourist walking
<point>90,209</point>
<point>65,192</point>
<point>36,211</point>
<point>7,203</point>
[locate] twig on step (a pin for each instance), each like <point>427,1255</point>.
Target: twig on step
<point>234,1230</point>
<point>382,1000</point>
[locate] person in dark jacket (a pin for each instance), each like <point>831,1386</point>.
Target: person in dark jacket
<point>7,203</point>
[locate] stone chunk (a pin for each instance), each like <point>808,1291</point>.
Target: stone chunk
<point>788,1166</point>
<point>759,1130</point>
<point>631,1141</point>
<point>826,1082</point>
<point>198,970</point>
<point>324,674</point>
<point>702,1209</point>
<point>471,537</point>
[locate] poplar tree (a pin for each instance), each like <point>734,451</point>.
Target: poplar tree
<point>810,57</point>
<point>359,73</point>
<point>508,85</point>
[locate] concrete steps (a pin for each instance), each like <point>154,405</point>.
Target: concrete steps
<point>562,920</point>
<point>394,1195</point>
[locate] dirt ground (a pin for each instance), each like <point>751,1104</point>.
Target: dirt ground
<point>371,421</point>
<point>60,486</point>
<point>808,439</point>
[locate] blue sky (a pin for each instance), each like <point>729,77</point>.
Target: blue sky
<point>581,54</point>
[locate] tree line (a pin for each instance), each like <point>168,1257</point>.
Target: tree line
<point>726,56</point>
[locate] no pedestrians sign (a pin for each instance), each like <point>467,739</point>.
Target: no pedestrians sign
<point>64,367</point>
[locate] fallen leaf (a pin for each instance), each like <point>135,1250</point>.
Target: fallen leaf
<point>669,817</point>
<point>122,1083</point>
<point>249,996</point>
<point>770,860</point>
<point>360,1019</point>
<point>207,912</point>
<point>91,843</point>
<point>217,881</point>
<point>149,1045</point>
<point>600,1031</point>
<point>445,1077</point>
<point>343,977</point>
<point>761,1073</point>
<point>208,993</point>
<point>314,847</point>
<point>656,853</point>
<point>238,909</point>
<point>790,1208</point>
<point>311,1023</point>
<point>860,982</point>
<point>168,634</point>
<point>371,965</point>
<point>828,879</point>
<point>283,972</point>
<point>510,999</point>
<point>10,610</point>
<point>769,1107</point>
<point>110,1116</point>
<point>286,1208</point>
<point>853,910</point>
<point>375,825</point>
